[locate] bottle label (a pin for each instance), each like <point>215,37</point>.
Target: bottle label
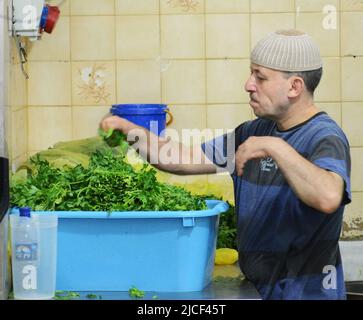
<point>26,251</point>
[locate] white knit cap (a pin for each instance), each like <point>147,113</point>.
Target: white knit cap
<point>287,50</point>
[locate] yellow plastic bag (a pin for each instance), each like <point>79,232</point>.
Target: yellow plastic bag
<point>226,256</point>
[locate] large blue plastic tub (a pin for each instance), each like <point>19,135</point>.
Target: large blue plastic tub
<point>149,116</point>
<point>161,251</point>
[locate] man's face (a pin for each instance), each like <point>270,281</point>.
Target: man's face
<point>268,91</point>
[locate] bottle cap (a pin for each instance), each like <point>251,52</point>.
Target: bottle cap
<point>24,212</point>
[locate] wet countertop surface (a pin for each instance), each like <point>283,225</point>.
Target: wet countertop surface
<point>228,284</point>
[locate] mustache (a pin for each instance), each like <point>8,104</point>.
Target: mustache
<point>253,98</point>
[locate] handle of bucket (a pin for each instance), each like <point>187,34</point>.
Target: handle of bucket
<point>171,118</point>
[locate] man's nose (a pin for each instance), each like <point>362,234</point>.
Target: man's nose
<point>250,85</point>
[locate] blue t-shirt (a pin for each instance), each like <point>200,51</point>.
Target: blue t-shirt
<point>286,248</point>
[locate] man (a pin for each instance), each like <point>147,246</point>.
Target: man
<point>291,174</point>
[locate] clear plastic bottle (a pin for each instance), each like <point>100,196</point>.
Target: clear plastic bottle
<point>25,250</point>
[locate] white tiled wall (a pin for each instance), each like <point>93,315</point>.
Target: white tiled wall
<point>192,55</point>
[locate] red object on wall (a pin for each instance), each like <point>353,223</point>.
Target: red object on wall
<point>53,16</point>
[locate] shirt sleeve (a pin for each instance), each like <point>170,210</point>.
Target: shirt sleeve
<point>332,153</point>
<point>222,149</point>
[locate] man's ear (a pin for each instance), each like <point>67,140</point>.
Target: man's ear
<point>297,86</point>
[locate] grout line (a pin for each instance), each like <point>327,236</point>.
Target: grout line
<point>206,102</point>
<point>147,59</point>
<point>250,46</point>
<point>160,56</point>
<point>189,13</point>
<point>115,32</point>
<point>27,109</point>
<point>341,62</point>
<point>295,16</point>
<point>70,66</point>
<point>115,64</point>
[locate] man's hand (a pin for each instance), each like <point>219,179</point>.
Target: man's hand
<point>144,147</point>
<point>113,122</point>
<point>252,148</point>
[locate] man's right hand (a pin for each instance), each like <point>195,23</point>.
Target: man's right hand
<point>143,146</point>
<point>115,123</point>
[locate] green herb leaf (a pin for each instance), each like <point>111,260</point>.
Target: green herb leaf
<point>136,293</point>
<point>108,184</point>
<point>114,138</point>
<point>93,296</point>
<point>66,295</point>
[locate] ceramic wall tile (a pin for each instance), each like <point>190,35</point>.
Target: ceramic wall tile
<point>272,6</point>
<point>227,6</point>
<point>187,117</point>
<point>137,37</point>
<point>47,126</point>
<point>182,6</point>
<point>329,88</point>
<point>352,80</point>
<point>225,81</point>
<point>125,7</point>
<point>326,35</point>
<point>227,116</point>
<point>19,127</point>
<point>54,46</point>
<point>92,7</point>
<point>14,53</point>
<point>352,122</point>
<point>357,169</point>
<point>227,35</point>
<point>351,5</point>
<point>317,5</point>
<point>182,36</point>
<point>183,81</point>
<point>18,97</point>
<point>49,83</point>
<point>352,25</point>
<point>333,109</point>
<point>94,83</point>
<point>93,38</point>
<point>86,120</point>
<point>138,82</point>
<point>264,24</point>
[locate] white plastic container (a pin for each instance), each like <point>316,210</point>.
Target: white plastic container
<point>352,257</point>
<point>34,253</point>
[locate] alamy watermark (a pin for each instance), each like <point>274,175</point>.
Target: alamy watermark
<point>30,17</point>
<point>173,147</point>
<point>330,19</point>
<point>330,280</point>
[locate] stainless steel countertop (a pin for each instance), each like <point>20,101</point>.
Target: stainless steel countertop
<point>228,284</point>
<point>220,290</point>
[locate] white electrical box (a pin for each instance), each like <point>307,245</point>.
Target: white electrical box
<point>32,17</point>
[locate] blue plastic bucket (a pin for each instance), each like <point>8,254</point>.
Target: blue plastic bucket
<point>149,116</point>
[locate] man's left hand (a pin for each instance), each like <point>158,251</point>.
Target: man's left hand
<point>253,148</point>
